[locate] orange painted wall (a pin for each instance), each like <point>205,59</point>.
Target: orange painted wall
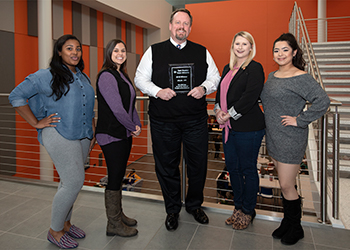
<point>338,29</point>
<point>338,8</point>
<point>139,39</point>
<point>20,14</point>
<point>215,24</point>
<point>26,62</point>
<point>67,17</point>
<point>99,18</point>
<point>28,150</point>
<point>123,30</point>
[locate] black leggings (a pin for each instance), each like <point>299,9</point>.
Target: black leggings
<point>116,156</point>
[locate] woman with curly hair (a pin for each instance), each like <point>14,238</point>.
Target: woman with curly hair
<point>60,106</point>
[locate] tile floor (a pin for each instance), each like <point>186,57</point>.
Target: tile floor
<point>25,218</point>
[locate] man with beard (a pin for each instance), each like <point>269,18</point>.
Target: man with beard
<point>177,74</point>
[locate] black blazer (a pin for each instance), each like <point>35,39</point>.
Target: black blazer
<point>243,94</point>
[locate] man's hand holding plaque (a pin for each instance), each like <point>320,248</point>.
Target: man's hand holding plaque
<point>197,92</point>
<point>166,94</point>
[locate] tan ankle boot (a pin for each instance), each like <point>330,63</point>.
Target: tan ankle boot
<point>115,225</point>
<point>232,219</point>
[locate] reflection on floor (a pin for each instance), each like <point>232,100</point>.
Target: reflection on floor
<point>25,218</point>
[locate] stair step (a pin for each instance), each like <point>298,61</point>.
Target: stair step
<point>331,60</point>
<point>344,148</point>
<point>337,89</point>
<point>345,134</point>
<point>341,109</point>
<point>331,44</point>
<point>344,166</point>
<point>335,74</point>
<point>332,49</point>
<point>331,54</point>
<point>342,90</point>
<point>334,67</point>
<point>345,120</point>
<point>336,81</point>
<point>343,99</point>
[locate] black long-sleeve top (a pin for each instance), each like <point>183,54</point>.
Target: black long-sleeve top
<point>243,94</point>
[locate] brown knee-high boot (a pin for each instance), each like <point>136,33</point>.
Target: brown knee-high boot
<point>115,225</point>
<point>126,220</point>
<point>293,215</point>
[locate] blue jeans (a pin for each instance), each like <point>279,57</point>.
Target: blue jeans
<point>241,153</point>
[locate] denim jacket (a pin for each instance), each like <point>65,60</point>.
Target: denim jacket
<point>75,108</point>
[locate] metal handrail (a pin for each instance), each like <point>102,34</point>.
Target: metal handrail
<point>344,27</point>
<point>326,18</point>
<point>308,45</point>
<point>296,24</point>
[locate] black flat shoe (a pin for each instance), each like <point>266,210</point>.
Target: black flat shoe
<point>199,215</point>
<point>171,221</point>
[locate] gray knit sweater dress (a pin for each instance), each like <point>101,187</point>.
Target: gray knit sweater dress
<point>288,96</point>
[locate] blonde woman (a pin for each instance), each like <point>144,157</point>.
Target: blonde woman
<point>238,113</point>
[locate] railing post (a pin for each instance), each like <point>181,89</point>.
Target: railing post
<point>335,213</point>
<point>323,180</point>
<point>298,30</point>
<point>319,162</point>
<point>326,30</point>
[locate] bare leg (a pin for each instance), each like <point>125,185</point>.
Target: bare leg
<point>57,234</point>
<point>67,225</point>
<point>286,175</point>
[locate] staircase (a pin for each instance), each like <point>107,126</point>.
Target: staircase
<point>333,60</point>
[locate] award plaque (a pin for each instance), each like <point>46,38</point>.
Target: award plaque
<point>181,77</point>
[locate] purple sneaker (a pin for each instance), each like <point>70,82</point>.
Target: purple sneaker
<point>76,232</point>
<point>66,242</point>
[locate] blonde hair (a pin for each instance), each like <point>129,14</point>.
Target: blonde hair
<point>233,58</point>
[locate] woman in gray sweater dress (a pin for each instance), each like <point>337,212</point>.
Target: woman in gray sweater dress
<point>284,97</point>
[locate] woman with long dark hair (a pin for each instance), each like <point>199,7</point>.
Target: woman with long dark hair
<point>60,106</point>
<point>284,97</point>
<point>117,123</point>
<point>238,113</point>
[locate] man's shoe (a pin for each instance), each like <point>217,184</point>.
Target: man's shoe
<point>199,215</point>
<point>171,222</point>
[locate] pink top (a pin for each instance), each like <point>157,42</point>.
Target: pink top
<point>225,83</point>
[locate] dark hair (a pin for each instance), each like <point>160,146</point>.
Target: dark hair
<point>298,60</point>
<point>61,75</point>
<point>107,62</point>
<point>181,10</point>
